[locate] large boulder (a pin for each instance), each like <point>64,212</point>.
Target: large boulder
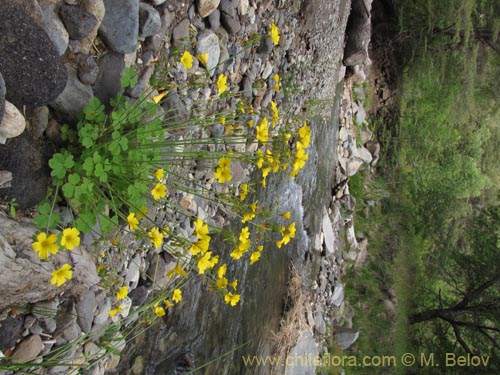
<point>26,279</point>
<point>33,72</point>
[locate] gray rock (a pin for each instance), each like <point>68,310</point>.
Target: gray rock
<point>175,107</point>
<point>319,321</point>
<point>243,7</point>
<point>139,295</point>
<point>120,26</point>
<point>29,62</point>
<point>38,119</point>
<point>208,42</point>
<point>230,23</point>
<point>72,332</point>
<point>85,311</point>
<point>214,19</point>
<point>180,34</point>
<point>157,2</point>
<point>27,350</point>
<point>338,294</point>
<point>97,9</point>
<point>228,7</point>
<point>206,7</point>
<point>329,236</point>
<point>149,20</point>
<point>352,166</point>
<point>133,272</point>
<point>374,148</point>
<point>195,19</point>
<point>13,122</point>
<point>363,154</point>
<point>2,97</point>
<point>142,83</point>
<point>360,115</point>
<point>108,84</point>
<point>306,347</point>
<point>11,330</point>
<point>55,28</point>
<point>87,69</point>
<point>75,96</point>
<point>344,337</point>
<point>349,202</point>
<point>78,21</point>
<point>266,46</point>
<point>103,314</point>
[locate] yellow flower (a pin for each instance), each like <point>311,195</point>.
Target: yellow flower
<point>61,275</point>
<point>223,174</point>
<point>262,134</point>
<point>276,79</point>
<point>201,246</point>
<point>115,311</point>
<point>159,174</point>
<point>177,295</point>
<point>222,83</point>
<point>254,257</point>
<point>156,237</point>
<point>222,120</point>
<point>203,57</point>
<point>187,60</point>
<point>70,238</point>
<point>179,271</point>
<point>159,311</point>
<point>200,228</point>
<point>221,271</point>
<point>288,233</point>
<point>243,191</point>
<point>244,234</point>
<point>205,262</point>
<point>234,284</point>
<point>132,221</point>
<point>305,135</point>
<point>122,293</point>
<point>221,283</point>
<point>232,299</point>
<point>45,244</point>
<point>159,191</point>
<point>274,33</point>
<point>157,98</point>
<point>287,215</point>
<point>168,303</point>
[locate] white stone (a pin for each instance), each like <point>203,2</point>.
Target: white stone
<point>13,122</point>
<point>338,294</point>
<point>329,239</point>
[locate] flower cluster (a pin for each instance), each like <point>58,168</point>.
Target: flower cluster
<point>46,245</point>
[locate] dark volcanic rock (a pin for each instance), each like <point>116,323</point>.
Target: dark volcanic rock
<point>120,26</point>
<point>30,172</point>
<point>29,62</point>
<point>11,331</point>
<point>78,21</point>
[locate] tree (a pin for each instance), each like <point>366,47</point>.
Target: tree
<point>467,302</point>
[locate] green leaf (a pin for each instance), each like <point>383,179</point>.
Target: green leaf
<point>88,166</point>
<point>108,223</point>
<point>68,190</point>
<point>85,221</point>
<point>46,219</point>
<point>74,178</point>
<point>129,78</point>
<point>60,163</point>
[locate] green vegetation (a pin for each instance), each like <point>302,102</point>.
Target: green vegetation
<point>433,235</point>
